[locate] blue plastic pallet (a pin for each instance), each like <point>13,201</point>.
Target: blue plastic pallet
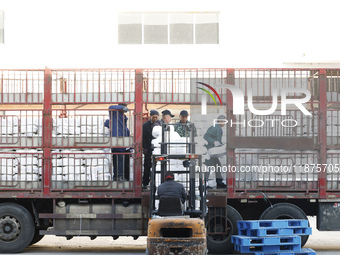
<point>269,248</point>
<point>255,224</point>
<point>273,240</point>
<point>262,232</point>
<point>304,251</point>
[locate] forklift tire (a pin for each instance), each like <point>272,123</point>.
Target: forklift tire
<point>215,222</point>
<point>17,228</point>
<point>285,211</point>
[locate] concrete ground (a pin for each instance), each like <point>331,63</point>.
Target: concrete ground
<point>325,243</point>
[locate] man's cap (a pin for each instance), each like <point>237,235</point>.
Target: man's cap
<point>167,112</point>
<point>184,113</point>
<point>221,117</point>
<point>169,175</point>
<point>124,104</point>
<point>154,112</point>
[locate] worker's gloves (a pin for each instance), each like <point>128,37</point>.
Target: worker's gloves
<point>125,109</point>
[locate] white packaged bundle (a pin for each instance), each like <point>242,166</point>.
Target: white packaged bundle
<point>6,177</point>
<point>31,169</point>
<point>29,120</point>
<point>68,162</point>
<point>57,170</point>
<point>106,131</point>
<point>73,169</point>
<point>28,151</point>
<point>9,121</point>
<point>9,161</point>
<point>29,128</point>
<point>68,130</point>
<point>218,151</point>
<point>101,177</point>
<point>96,161</point>
<point>73,153</point>
<point>94,153</point>
<point>90,120</point>
<point>8,170</point>
<point>68,122</point>
<point>27,177</point>
<point>57,178</point>
<point>176,165</point>
<point>9,130</point>
<point>174,138</point>
<point>77,177</point>
<point>102,169</point>
<point>29,160</point>
<point>89,129</point>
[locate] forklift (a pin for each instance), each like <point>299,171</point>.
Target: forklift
<point>175,229</point>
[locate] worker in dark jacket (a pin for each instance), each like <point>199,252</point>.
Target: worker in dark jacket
<point>147,145</point>
<point>118,128</point>
<point>170,188</point>
<point>214,138</point>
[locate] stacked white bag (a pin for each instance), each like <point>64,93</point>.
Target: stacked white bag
<point>79,126</point>
<point>78,165</point>
<point>171,136</point>
<point>21,165</point>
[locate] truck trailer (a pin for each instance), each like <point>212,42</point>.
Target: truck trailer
<point>65,173</point>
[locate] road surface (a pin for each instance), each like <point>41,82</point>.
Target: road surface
<point>325,243</point>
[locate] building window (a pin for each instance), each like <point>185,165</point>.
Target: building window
<point>168,28</point>
<point>206,28</point>
<point>181,28</point>
<point>155,28</point>
<point>2,18</point>
<point>130,28</point>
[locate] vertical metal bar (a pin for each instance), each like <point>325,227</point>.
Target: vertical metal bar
<point>322,132</point>
<point>230,133</point>
<point>138,132</point>
<point>47,131</point>
<point>26,92</point>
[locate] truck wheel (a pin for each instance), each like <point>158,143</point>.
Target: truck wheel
<point>16,228</point>
<point>216,222</point>
<point>285,211</point>
<point>37,237</point>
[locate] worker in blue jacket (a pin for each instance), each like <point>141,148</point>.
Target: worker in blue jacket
<point>118,121</point>
<point>214,138</point>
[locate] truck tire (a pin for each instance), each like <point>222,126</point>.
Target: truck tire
<point>37,237</point>
<point>286,211</point>
<point>216,222</point>
<point>16,228</point>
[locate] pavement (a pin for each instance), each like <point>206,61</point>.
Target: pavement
<point>324,243</point>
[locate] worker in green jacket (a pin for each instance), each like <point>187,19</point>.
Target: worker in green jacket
<point>183,126</point>
<point>214,138</point>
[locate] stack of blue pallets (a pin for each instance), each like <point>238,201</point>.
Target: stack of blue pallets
<point>272,237</point>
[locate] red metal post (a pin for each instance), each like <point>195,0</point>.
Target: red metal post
<point>47,131</point>
<point>323,132</point>
<point>138,132</point>
<point>230,133</point>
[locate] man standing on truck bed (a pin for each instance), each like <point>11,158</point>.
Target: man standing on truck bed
<point>183,127</point>
<point>147,145</point>
<point>214,138</point>
<point>118,128</point>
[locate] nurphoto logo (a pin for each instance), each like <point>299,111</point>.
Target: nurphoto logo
<point>238,100</point>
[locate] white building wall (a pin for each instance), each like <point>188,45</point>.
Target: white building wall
<point>83,34</point>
